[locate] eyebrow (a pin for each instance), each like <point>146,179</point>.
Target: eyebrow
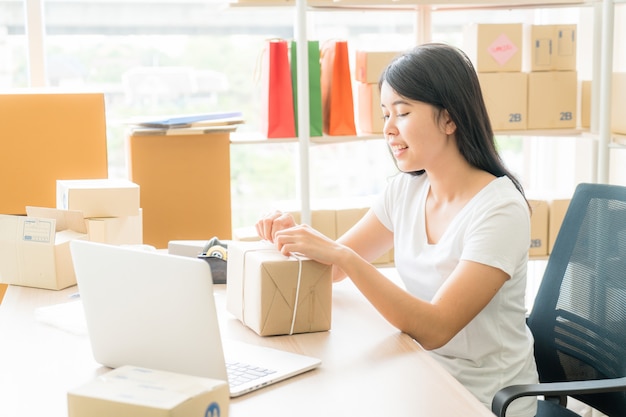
<point>395,103</point>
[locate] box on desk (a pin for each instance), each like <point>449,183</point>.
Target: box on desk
<point>133,391</point>
<point>34,249</point>
<point>125,230</point>
<point>262,290</point>
<point>99,197</point>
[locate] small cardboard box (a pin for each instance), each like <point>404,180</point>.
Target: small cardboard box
<point>538,228</point>
<point>552,98</point>
<point>618,103</point>
<point>506,99</point>
<point>99,197</point>
<point>549,48</point>
<point>556,213</point>
<point>370,64</point>
<point>348,217</point>
<point>131,391</point>
<point>34,249</point>
<point>494,47</point>
<point>584,94</point>
<point>262,288</point>
<point>126,230</point>
<point>322,220</point>
<point>369,113</point>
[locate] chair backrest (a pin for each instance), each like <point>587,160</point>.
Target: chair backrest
<point>578,319</point>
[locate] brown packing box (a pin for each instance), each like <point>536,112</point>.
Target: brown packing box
<point>370,65</point>
<point>126,230</point>
<point>321,220</point>
<point>98,197</point>
<point>348,217</point>
<point>552,98</point>
<point>185,186</point>
<point>538,228</point>
<point>556,212</point>
<point>506,95</point>
<point>618,100</point>
<point>34,249</point>
<point>262,287</point>
<point>131,391</point>
<point>369,113</point>
<point>45,137</point>
<point>549,48</point>
<point>584,94</point>
<point>494,47</point>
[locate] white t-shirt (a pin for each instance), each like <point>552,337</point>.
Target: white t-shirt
<point>496,348</point>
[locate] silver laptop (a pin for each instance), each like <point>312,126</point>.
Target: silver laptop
<point>156,310</point>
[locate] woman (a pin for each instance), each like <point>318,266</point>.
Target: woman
<point>458,222</point>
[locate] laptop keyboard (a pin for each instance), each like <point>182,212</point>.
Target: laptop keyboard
<point>239,373</point>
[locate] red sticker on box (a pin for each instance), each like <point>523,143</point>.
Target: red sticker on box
<point>502,49</point>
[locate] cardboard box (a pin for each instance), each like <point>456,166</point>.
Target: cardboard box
<point>125,230</point>
<point>538,228</point>
<point>552,97</point>
<point>185,186</point>
<point>506,99</point>
<point>550,48</point>
<point>45,137</point>
<point>371,64</point>
<point>321,220</point>
<point>131,391</point>
<point>99,197</point>
<point>348,217</point>
<point>34,249</point>
<point>369,113</point>
<point>494,47</point>
<point>262,288</point>
<point>584,93</point>
<point>556,213</point>
<point>618,103</point>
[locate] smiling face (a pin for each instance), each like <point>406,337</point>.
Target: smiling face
<point>417,133</point>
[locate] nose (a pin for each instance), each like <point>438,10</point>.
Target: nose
<point>389,129</point>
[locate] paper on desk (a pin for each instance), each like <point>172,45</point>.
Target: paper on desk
<point>68,317</point>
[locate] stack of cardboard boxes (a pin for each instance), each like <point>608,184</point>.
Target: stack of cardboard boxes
<point>34,249</point>
<point>527,74</point>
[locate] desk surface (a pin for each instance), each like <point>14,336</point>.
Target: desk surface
<point>368,367</point>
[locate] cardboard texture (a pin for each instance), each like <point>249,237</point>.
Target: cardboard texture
<point>494,47</point>
<point>34,249</point>
<point>552,98</point>
<point>584,93</point>
<point>262,287</point>
<point>618,100</point>
<point>131,391</point>
<point>369,113</point>
<point>98,197</point>
<point>505,95</point>
<point>46,137</point>
<point>185,186</point>
<point>125,230</point>
<point>556,213</point>
<point>538,228</point>
<point>549,48</point>
<point>370,65</point>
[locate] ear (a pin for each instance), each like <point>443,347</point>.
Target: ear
<point>449,126</point>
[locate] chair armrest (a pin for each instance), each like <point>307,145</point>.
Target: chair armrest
<point>506,395</point>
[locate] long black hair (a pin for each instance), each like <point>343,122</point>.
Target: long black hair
<point>444,77</point>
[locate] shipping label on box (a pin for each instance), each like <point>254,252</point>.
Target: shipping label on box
<point>276,295</point>
<point>494,47</point>
<point>505,95</point>
<point>538,228</point>
<point>99,197</point>
<point>34,249</point>
<point>135,391</point>
<point>552,99</point>
<point>371,64</point>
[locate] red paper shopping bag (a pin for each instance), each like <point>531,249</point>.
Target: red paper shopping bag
<point>337,101</point>
<point>278,111</point>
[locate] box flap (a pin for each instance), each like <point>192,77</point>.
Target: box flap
<point>65,219</point>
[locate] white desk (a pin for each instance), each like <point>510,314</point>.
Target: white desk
<point>368,367</point>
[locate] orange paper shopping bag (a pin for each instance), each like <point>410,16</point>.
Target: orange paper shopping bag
<point>337,101</point>
<point>278,111</point>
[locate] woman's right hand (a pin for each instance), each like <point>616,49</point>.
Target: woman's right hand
<point>269,224</point>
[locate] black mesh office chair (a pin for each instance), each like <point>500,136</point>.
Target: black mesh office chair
<point>578,319</point>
